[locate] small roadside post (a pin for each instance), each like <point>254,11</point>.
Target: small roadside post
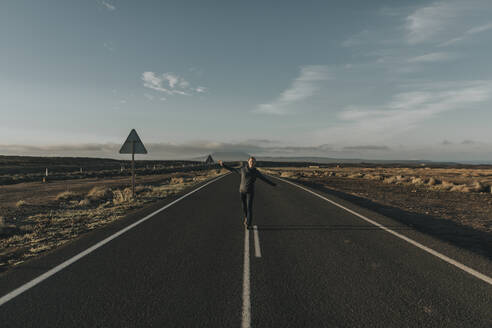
<point>133,145</point>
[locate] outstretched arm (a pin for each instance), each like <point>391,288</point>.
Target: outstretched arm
<point>262,177</point>
<point>232,169</point>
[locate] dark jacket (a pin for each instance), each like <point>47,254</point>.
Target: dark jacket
<point>248,177</point>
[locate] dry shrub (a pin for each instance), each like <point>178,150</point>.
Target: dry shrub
<point>401,178</point>
<point>21,203</point>
<point>417,180</point>
<point>390,180</point>
<point>478,187</point>
<point>461,188</point>
<point>373,177</point>
<point>2,222</point>
<point>175,180</point>
<point>85,202</point>
<point>99,193</point>
<point>66,195</point>
<point>287,174</point>
<point>356,175</point>
<point>445,185</point>
<point>433,181</point>
<point>122,196</point>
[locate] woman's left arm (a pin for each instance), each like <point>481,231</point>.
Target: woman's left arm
<point>262,177</point>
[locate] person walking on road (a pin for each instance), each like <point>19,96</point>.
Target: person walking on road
<point>248,174</point>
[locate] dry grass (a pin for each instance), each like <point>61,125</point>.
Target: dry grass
<point>287,174</point>
<point>66,195</point>
<point>99,193</point>
<point>20,203</point>
<point>175,180</point>
<point>433,181</point>
<point>442,179</point>
<point>85,202</point>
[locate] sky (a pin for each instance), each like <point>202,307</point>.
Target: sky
<point>346,79</point>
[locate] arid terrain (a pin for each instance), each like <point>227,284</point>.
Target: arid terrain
<point>36,217</point>
<point>18,169</point>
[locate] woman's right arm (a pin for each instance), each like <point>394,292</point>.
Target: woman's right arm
<point>232,169</point>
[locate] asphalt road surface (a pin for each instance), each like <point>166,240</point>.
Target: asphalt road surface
<point>308,263</point>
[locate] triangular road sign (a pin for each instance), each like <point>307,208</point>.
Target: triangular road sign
<point>134,143</point>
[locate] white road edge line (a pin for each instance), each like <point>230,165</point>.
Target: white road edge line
<point>16,292</point>
<point>443,257</point>
<point>257,241</point>
<point>246,318</point>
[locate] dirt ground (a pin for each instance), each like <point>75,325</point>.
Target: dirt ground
<point>38,195</point>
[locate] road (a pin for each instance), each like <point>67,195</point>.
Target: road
<point>308,263</point>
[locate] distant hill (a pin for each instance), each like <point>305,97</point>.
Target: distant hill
<point>242,156</point>
<point>229,156</point>
<point>328,160</point>
<point>38,164</point>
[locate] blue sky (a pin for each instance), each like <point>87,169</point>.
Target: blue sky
<point>348,79</point>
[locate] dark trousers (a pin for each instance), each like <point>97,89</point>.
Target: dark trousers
<point>247,201</point>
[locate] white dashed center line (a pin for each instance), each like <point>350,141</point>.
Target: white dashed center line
<point>257,241</point>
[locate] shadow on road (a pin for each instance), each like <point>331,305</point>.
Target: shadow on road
<point>476,241</point>
<point>333,227</point>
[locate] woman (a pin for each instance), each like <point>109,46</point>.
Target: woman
<point>248,175</point>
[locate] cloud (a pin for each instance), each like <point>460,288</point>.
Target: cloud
<point>468,33</point>
<point>449,20</point>
<point>107,5</point>
<point>303,87</point>
<point>148,96</point>
<point>163,150</point>
<point>260,148</point>
<point>357,39</point>
<point>427,22</point>
<point>405,111</point>
<point>108,45</point>
<point>480,29</point>
<point>432,57</point>
<point>366,147</point>
<point>169,84</point>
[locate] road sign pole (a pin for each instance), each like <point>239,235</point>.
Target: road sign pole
<point>133,169</point>
<point>133,145</point>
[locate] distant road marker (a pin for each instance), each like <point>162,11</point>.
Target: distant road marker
<point>16,292</point>
<point>443,257</point>
<point>257,241</point>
